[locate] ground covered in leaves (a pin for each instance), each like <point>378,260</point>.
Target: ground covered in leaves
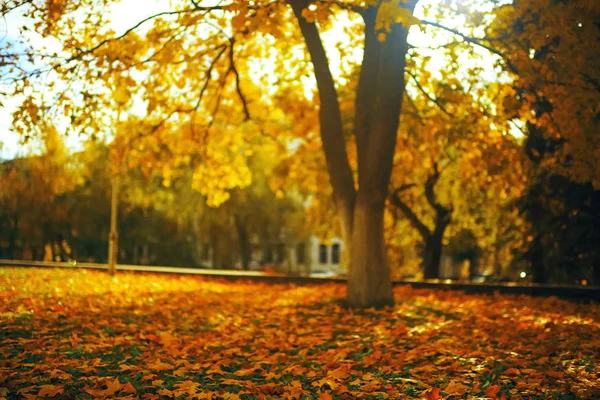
<point>81,334</point>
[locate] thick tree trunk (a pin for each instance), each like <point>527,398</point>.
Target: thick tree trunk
<point>377,116</point>
<point>369,283</point>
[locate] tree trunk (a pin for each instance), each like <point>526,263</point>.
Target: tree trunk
<point>11,247</point>
<point>369,283</point>
<point>377,115</point>
<point>244,242</point>
<point>536,254</point>
<point>432,253</point>
<point>432,256</point>
<point>214,245</point>
<point>12,239</point>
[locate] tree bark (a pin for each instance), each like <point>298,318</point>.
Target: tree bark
<point>433,240</point>
<point>214,244</point>
<point>433,247</point>
<point>12,239</point>
<point>432,256</point>
<point>442,220</point>
<point>369,283</point>
<point>377,116</point>
<point>244,242</point>
<point>536,254</point>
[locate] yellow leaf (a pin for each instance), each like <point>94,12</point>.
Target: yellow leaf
<point>121,94</point>
<point>381,37</point>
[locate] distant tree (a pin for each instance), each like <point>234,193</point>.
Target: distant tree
<point>30,191</point>
<point>545,43</point>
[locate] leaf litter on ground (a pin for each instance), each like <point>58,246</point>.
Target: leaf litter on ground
<point>74,333</point>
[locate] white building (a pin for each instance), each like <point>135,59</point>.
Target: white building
<point>311,256</point>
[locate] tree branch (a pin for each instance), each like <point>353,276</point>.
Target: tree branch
<point>410,215</point>
<point>238,88</point>
<point>350,7</point>
<point>477,42</point>
<point>330,119</point>
<point>127,32</point>
<point>431,98</point>
<point>430,192</point>
<point>6,9</point>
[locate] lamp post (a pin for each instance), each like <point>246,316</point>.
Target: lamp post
<point>113,236</point>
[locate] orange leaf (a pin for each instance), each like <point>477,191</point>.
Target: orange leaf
<point>340,373</point>
<point>112,387</point>
<point>433,394</point>
<point>166,339</point>
<point>325,396</point>
<point>153,338</point>
<point>160,366</point>
<point>50,390</point>
<point>512,371</point>
<point>455,388</point>
<point>492,390</point>
<point>128,388</point>
<point>166,393</point>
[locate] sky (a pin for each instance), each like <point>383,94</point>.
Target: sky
<point>123,16</point>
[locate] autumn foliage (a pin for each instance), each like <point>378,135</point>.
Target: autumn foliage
<point>78,333</point>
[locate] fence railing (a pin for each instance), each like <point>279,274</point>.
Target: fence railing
<point>572,292</point>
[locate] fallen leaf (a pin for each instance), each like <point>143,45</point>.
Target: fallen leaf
<point>512,372</point>
<point>128,388</point>
<point>433,394</point>
<point>50,390</point>
<point>492,390</point>
<point>455,389</point>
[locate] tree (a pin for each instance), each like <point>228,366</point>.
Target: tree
<point>546,45</point>
<point>31,212</point>
<point>194,70</point>
<point>432,239</point>
<point>114,58</point>
<point>465,168</point>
